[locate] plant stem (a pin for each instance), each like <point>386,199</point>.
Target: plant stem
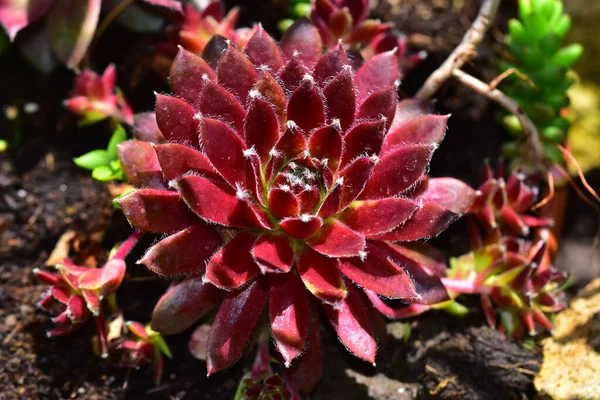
<point>463,52</point>
<point>535,150</point>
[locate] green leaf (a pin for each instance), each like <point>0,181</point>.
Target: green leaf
<point>103,173</point>
<point>553,134</point>
<point>562,27</point>
<point>517,32</point>
<point>456,309</point>
<point>536,25</point>
<point>567,56</point>
<point>118,136</point>
<point>550,43</point>
<point>93,159</point>
<point>524,9</point>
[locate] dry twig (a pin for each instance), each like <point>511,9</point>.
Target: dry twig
<point>535,149</point>
<point>464,51</point>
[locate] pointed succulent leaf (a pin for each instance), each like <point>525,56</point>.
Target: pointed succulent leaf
<point>288,310</point>
<point>273,254</point>
<point>341,101</point>
<point>321,276</point>
<point>331,64</point>
<point>184,304</point>
<point>183,252</point>
<point>449,193</point>
<point>428,220</point>
<point>217,203</point>
<point>189,74</point>
<point>224,149</point>
<point>233,325</point>
<point>177,160</point>
<point>301,227</point>
<point>336,239</point>
<point>154,210</point>
<point>306,107</point>
<point>303,39</point>
<point>175,119</point>
<point>380,72</point>
<point>364,138</point>
<point>397,171</point>
<point>375,272</point>
<point>236,73</point>
<point>262,50</point>
<point>429,129</point>
<point>233,265</point>
<point>352,325</point>
<point>261,127</point>
<point>374,217</point>
<point>140,165</point>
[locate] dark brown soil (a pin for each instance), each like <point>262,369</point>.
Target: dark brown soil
<point>43,195</point>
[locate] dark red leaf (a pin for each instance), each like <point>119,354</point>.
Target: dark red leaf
<point>233,265</point>
<point>233,325</point>
<point>183,252</point>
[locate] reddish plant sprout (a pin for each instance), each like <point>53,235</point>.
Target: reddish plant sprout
<point>345,20</point>
<point>76,292</point>
<point>506,202</point>
<point>515,281</point>
<point>196,28</point>
<point>141,347</point>
<point>96,98</point>
<point>286,181</point>
<point>261,383</point>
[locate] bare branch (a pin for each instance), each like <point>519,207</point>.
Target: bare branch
<point>534,150</point>
<point>464,51</point>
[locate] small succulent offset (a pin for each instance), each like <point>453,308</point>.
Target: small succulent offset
<point>515,280</point>
<point>345,20</point>
<point>77,292</point>
<point>142,347</point>
<point>196,27</point>
<point>104,164</point>
<point>286,181</point>
<point>535,42</point>
<point>96,98</point>
<point>507,202</point>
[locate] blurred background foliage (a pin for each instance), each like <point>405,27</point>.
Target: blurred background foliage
<point>585,95</point>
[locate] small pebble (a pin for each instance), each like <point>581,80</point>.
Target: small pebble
<point>22,193</point>
<point>63,188</point>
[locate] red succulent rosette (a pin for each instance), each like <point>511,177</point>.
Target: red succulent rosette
<point>97,97</point>
<point>345,20</point>
<point>285,180</point>
<point>507,201</point>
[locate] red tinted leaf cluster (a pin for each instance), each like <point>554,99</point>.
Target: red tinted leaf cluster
<point>516,282</point>
<point>505,203</point>
<point>97,97</point>
<point>285,180</point>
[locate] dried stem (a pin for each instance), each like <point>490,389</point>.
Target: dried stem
<point>534,148</point>
<point>464,51</point>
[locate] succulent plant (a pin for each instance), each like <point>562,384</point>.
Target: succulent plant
<point>104,164</point>
<point>345,20</point>
<point>535,41</point>
<point>287,179</point>
<point>515,280</point>
<point>142,347</point>
<point>196,27</point>
<point>77,292</point>
<point>507,201</point>
<point>96,98</point>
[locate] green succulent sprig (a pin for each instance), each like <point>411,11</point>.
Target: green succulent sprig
<point>104,164</point>
<point>535,41</point>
